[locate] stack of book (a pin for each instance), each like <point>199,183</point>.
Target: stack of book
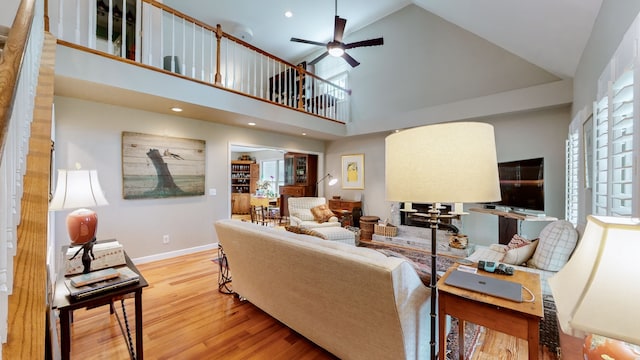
<point>95,282</point>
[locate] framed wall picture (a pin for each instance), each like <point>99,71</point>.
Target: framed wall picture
<point>587,132</point>
<point>353,171</point>
<point>161,166</point>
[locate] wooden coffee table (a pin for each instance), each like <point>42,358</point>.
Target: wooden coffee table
<point>521,320</point>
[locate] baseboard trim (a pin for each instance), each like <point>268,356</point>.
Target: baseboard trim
<point>172,254</point>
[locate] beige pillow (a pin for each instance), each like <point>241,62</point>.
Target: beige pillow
<point>521,254</point>
<point>321,213</point>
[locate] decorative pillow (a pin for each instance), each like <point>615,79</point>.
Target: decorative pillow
<point>312,233</point>
<point>517,241</point>
<point>321,213</point>
<point>521,254</point>
<point>293,229</point>
<point>304,231</point>
<point>557,241</point>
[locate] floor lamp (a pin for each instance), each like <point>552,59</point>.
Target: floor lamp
<point>442,163</point>
<point>332,181</point>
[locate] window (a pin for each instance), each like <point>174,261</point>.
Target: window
<point>613,138</point>
<point>573,165</point>
<point>273,171</point>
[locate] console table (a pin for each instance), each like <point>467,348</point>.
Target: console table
<point>508,222</point>
<point>419,237</point>
<point>66,305</point>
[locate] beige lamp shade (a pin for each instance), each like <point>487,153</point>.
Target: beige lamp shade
<point>597,290</point>
<point>449,163</point>
<point>79,189</point>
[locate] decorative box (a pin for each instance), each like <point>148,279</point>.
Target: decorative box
<point>107,254</point>
<point>387,230</point>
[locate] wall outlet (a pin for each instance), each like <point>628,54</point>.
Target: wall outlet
<point>165,239</point>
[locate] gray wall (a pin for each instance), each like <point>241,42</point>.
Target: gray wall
<point>90,133</point>
<point>518,136</point>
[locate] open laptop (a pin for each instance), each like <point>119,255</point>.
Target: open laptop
<point>487,285</point>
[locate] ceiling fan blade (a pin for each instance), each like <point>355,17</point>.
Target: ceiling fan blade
<point>314,61</point>
<point>353,62</point>
<point>308,42</point>
<point>338,29</point>
<point>370,42</point>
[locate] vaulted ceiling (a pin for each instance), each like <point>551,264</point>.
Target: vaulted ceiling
<point>548,33</point>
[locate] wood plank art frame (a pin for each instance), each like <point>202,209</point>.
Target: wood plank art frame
<point>161,166</point>
<point>353,171</point>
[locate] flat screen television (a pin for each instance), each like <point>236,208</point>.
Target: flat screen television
<point>522,184</point>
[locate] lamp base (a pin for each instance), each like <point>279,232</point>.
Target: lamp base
<point>82,225</point>
<point>87,255</point>
<point>600,347</point>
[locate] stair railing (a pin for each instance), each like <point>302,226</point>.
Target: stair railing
<point>154,34</point>
<point>19,69</point>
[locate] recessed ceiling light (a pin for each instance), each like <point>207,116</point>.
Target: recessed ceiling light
<point>251,124</point>
<point>176,109</point>
<point>288,14</point>
<point>304,134</point>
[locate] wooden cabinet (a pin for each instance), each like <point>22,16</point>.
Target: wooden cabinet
<point>337,205</point>
<point>300,178</point>
<point>244,175</point>
<point>350,210</point>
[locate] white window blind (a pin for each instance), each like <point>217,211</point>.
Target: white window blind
<point>614,143</point>
<point>572,151</point>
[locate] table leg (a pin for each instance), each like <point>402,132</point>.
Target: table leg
<point>461,339</point>
<point>533,338</point>
<point>442,329</point>
<point>65,334</point>
<point>139,348</point>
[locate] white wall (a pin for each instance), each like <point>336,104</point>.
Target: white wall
<point>518,136</point>
<point>90,133</point>
<point>426,61</point>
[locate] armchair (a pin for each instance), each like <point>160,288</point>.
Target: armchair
<point>300,212</point>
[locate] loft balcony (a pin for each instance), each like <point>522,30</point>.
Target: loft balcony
<point>163,42</point>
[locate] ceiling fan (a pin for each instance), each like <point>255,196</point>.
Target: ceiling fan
<point>336,47</point>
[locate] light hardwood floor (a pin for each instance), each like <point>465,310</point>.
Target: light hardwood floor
<point>185,317</point>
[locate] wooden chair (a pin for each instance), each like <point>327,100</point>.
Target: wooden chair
<point>258,215</point>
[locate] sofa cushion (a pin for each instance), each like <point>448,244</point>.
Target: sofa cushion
<point>520,254</point>
<point>321,213</point>
<point>557,241</point>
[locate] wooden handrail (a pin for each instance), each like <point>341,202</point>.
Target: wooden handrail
<point>220,34</point>
<point>14,51</point>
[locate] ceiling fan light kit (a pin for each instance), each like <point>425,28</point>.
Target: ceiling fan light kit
<point>336,47</point>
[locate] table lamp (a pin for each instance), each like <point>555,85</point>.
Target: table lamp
<point>79,189</point>
<point>596,291</point>
<point>442,163</point>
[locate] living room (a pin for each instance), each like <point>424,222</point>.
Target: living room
<point>89,132</point>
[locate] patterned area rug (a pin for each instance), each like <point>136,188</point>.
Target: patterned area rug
<point>421,260</point>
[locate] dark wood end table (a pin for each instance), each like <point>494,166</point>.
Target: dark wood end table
<point>66,305</point>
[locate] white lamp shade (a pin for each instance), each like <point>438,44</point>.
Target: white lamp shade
<point>597,290</point>
<point>77,189</point>
<point>449,163</point>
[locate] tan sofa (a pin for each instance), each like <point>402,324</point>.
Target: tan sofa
<point>354,302</point>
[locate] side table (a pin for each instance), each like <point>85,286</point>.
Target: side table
<point>521,320</point>
<point>66,305</point>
